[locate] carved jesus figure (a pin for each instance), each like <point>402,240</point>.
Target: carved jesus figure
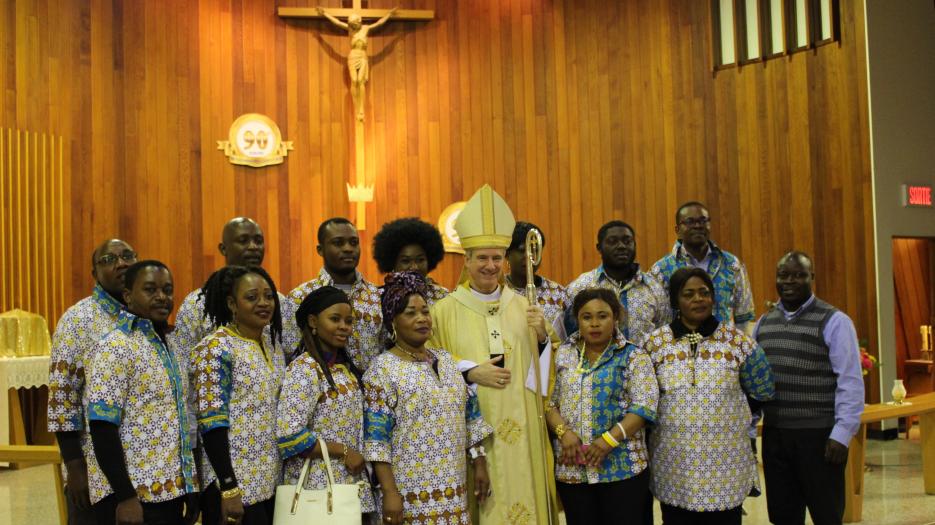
<point>357,61</point>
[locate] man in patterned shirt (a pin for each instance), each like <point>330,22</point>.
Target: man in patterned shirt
<point>339,247</point>
<point>143,469</point>
<point>550,295</point>
<point>645,302</point>
<point>732,293</point>
<point>76,334</point>
<point>242,243</point>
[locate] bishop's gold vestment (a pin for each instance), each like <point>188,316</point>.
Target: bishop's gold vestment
<point>472,329</point>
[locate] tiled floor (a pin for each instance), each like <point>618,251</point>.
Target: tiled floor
<point>893,491</point>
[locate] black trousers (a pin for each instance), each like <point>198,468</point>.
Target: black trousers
<point>260,513</point>
<point>605,503</point>
<point>798,477</point>
<point>163,513</point>
<point>679,516</point>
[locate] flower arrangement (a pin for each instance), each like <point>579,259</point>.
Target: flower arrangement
<point>867,361</point>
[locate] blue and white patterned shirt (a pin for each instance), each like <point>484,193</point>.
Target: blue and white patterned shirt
<point>593,398</point>
<point>733,297</point>
<point>136,382</point>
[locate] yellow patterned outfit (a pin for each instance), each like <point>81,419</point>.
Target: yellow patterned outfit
<point>237,386</point>
<point>701,456</point>
<point>135,382</point>
<point>77,333</point>
<point>309,409</point>
<point>422,421</point>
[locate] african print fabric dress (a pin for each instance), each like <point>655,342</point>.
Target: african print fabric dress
<point>701,455</point>
<point>422,423</point>
<point>309,409</point>
<point>237,386</point>
<point>593,398</point>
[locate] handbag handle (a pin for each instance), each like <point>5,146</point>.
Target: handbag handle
<point>303,477</point>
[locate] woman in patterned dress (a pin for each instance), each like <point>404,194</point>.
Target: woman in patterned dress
<point>421,420</point>
<point>605,393</point>
<point>322,398</point>
<point>702,463</point>
<point>237,373</point>
<point>411,244</point>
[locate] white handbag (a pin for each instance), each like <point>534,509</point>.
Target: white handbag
<point>334,505</point>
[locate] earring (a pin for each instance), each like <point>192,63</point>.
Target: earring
<point>314,331</point>
<point>393,335</point>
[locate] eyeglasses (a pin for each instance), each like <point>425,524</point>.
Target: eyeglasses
<point>109,259</point>
<point>695,221</point>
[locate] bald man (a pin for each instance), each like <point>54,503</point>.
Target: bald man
<point>242,244</point>
<point>77,333</point>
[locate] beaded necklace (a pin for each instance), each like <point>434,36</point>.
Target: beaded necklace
<point>581,351</point>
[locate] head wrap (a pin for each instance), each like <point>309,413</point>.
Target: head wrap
<point>318,301</point>
<point>398,287</point>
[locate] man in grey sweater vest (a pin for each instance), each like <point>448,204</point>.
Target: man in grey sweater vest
<point>813,351</point>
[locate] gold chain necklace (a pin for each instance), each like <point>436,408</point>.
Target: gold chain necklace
<point>411,355</point>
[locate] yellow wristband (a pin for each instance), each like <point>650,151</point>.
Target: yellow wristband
<point>609,439</point>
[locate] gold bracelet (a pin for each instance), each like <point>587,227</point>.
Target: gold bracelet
<point>560,430</point>
<point>231,493</point>
<point>344,453</point>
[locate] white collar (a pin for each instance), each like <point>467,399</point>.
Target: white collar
<point>487,297</point>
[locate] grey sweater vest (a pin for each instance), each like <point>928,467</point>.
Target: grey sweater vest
<point>799,358</point>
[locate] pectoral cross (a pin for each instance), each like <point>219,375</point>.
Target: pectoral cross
<point>358,67</point>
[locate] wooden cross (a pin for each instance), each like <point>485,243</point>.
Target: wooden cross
<point>360,193</point>
<point>343,12</point>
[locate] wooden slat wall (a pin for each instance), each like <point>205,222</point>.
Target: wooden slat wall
<point>912,279</point>
<point>576,111</point>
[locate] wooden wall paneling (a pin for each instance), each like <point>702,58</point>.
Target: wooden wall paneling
<point>912,280</point>
<point>609,109</point>
<point>6,283</point>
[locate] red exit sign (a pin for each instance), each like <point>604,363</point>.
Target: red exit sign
<point>917,195</point>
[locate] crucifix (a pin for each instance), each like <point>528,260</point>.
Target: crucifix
<point>358,67</point>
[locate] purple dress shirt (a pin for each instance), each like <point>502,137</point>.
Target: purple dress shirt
<point>844,352</point>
